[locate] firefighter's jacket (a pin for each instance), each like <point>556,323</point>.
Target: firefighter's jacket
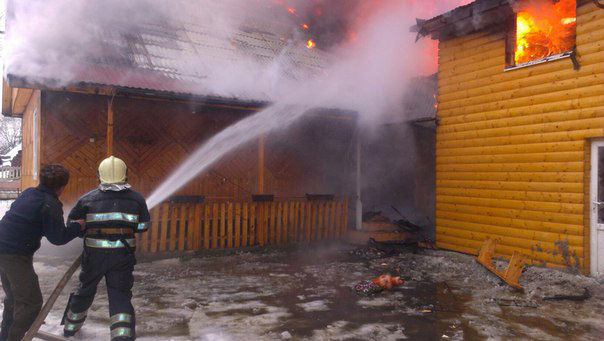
<point>111,211</point>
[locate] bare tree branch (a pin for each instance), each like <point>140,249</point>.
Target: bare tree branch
<point>10,133</point>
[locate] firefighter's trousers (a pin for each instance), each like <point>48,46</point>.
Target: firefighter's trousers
<point>116,266</point>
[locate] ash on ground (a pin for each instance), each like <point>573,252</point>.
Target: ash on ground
<point>306,293</point>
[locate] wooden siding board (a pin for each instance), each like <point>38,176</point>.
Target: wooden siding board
<point>522,139</point>
<point>537,225</point>
<point>532,129</point>
<point>471,246</point>
<point>532,237</point>
<point>518,94</point>
<point>556,197</point>
<point>507,120</point>
<point>514,176</point>
<point>454,92</point>
<point>511,146</point>
<point>515,204</point>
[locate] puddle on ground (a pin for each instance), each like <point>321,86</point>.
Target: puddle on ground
<point>316,297</point>
<point>306,294</point>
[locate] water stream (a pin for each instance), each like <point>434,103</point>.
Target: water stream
<point>276,116</point>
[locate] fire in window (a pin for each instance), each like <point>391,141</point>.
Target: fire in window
<point>545,29</point>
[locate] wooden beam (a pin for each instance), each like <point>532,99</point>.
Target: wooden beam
<point>7,109</point>
<point>20,99</point>
<point>110,127</point>
<point>145,94</point>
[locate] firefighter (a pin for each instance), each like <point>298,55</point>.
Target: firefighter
<point>37,212</point>
<point>113,213</point>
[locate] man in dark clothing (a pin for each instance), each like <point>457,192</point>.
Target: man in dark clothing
<point>37,212</point>
<point>113,214</point>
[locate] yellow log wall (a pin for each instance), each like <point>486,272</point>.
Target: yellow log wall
<point>512,147</point>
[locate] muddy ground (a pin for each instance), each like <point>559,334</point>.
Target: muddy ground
<point>305,293</point>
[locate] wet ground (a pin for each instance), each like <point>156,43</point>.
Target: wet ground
<point>306,294</point>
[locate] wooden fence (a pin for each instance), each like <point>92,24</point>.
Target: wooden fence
<point>10,173</point>
<point>178,227</point>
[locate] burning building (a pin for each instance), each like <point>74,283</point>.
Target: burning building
<point>519,148</point>
<point>134,99</point>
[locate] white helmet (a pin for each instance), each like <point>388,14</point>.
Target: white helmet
<point>112,171</point>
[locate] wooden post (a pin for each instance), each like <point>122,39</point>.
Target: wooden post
<point>110,127</point>
<point>244,224</point>
<point>237,224</point>
<point>261,164</point>
<point>173,227</point>
<point>207,208</point>
<point>222,239</point>
<point>165,208</point>
<point>215,207</point>
<point>182,232</point>
<point>229,219</point>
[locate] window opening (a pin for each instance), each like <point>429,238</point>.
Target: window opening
<point>544,30</point>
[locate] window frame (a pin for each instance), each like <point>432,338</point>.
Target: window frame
<point>510,48</point>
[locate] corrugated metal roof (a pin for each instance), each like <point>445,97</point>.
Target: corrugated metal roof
<point>183,57</point>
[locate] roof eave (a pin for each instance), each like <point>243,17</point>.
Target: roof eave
<point>111,90</point>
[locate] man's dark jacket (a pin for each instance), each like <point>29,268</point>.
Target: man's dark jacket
<point>37,212</point>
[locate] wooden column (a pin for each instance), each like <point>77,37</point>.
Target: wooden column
<point>261,164</point>
<point>110,127</point>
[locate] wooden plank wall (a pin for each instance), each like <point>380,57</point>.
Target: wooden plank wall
<point>31,141</point>
<point>153,137</point>
<point>178,227</point>
<point>510,146</point>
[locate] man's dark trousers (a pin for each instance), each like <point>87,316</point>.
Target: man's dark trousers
<point>23,299</point>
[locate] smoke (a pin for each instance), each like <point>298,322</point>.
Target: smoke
<point>368,57</point>
<point>56,39</point>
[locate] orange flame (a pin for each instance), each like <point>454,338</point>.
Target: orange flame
<point>291,10</point>
<point>310,44</point>
<point>305,26</point>
<point>546,30</point>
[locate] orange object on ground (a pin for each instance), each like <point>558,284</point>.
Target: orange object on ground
<point>387,281</point>
<point>511,274</point>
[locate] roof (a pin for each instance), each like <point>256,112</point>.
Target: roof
<point>466,19</point>
<point>186,57</point>
<point>470,18</point>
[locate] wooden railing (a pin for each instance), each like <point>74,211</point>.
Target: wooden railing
<point>10,173</point>
<point>178,227</point>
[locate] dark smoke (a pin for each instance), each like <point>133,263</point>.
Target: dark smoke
<point>330,22</point>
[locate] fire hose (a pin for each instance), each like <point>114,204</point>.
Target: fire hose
<point>34,329</point>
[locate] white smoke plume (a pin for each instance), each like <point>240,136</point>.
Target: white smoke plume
<point>368,74</point>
